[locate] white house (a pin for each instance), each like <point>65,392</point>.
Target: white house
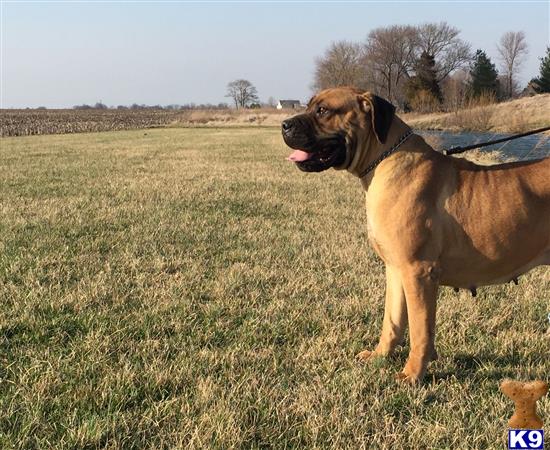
<point>288,104</point>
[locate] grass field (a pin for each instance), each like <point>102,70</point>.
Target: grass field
<point>188,288</point>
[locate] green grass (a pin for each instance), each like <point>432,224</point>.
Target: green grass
<point>188,288</point>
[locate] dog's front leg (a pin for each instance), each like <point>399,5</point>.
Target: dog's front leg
<point>420,283</point>
<point>395,317</point>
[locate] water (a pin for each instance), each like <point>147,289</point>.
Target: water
<point>535,146</point>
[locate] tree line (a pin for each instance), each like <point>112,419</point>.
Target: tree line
<point>135,106</point>
<point>427,67</point>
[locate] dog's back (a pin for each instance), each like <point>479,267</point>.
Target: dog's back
<point>538,177</point>
<point>500,216</point>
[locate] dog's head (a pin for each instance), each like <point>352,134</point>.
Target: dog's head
<point>326,134</point>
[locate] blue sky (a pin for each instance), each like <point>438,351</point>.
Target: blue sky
<point>58,54</point>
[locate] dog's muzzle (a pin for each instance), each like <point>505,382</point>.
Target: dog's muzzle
<point>311,152</point>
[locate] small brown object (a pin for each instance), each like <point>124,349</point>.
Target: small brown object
<point>525,396</point>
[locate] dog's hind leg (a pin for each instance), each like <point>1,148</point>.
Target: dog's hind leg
<point>395,317</point>
<point>420,283</point>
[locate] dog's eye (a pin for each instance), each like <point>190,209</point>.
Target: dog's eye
<point>321,111</point>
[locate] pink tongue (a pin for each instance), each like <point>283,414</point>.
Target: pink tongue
<point>299,156</point>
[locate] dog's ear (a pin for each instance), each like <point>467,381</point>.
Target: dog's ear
<point>381,113</point>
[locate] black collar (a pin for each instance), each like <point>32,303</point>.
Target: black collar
<point>385,154</point>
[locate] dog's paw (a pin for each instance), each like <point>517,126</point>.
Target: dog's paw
<point>378,353</point>
<point>414,369</point>
<point>365,355</point>
<point>402,377</point>
<point>370,355</point>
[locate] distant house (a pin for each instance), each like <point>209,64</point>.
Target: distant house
<point>288,104</point>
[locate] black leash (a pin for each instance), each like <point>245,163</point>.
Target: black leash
<point>458,149</point>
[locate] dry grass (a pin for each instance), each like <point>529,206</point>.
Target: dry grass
<point>233,118</point>
<point>513,116</point>
<point>188,288</point>
<point>485,158</point>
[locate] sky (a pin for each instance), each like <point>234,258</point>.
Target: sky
<point>63,53</point>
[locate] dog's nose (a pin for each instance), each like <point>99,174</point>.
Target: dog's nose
<point>287,125</point>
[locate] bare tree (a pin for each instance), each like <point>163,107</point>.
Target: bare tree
<point>389,57</point>
<point>390,54</point>
<point>242,92</point>
<point>341,65</point>
<point>455,90</point>
<point>512,50</point>
<point>441,41</point>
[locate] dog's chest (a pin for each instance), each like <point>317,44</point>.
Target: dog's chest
<point>374,228</point>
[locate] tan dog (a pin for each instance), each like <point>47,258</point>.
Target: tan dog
<point>433,219</point>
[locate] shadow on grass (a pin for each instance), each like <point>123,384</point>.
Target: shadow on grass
<point>468,366</point>
<point>485,366</point>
